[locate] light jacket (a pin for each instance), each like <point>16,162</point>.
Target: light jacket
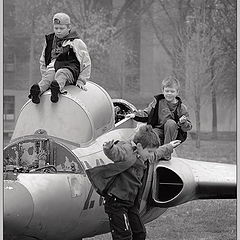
<point>75,48</point>
<point>123,178</point>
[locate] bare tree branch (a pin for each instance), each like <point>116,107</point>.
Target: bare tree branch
<point>157,31</point>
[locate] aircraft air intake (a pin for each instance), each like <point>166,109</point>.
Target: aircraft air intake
<point>170,184</point>
<point>181,180</point>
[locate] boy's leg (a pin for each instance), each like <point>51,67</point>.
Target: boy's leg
<point>160,133</point>
<point>42,86</point>
<point>170,131</point>
<point>137,226</point>
<point>118,219</point>
<point>62,77</point>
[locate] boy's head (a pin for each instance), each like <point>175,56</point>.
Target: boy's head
<point>61,24</point>
<point>171,88</point>
<point>147,137</point>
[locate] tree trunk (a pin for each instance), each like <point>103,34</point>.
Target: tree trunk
<point>122,77</point>
<point>179,64</point>
<point>214,113</point>
<point>31,56</point>
<point>198,125</point>
<point>214,107</point>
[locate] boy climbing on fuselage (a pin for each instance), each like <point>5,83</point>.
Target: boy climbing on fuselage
<point>121,182</point>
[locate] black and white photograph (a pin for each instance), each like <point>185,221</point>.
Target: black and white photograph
<point>119,120</point>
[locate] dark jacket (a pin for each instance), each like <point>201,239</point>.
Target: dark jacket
<point>158,112</point>
<point>123,178</point>
<point>67,59</point>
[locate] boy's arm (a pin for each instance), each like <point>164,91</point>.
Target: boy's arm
<point>80,49</point>
<point>163,151</point>
<point>184,121</point>
<point>142,115</point>
<point>115,151</point>
<point>42,61</point>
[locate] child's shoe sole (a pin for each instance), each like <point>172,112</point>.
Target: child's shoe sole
<point>55,90</point>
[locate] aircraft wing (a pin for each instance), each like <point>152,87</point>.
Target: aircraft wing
<point>182,180</point>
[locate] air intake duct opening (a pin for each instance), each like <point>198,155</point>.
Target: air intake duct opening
<point>168,184</point>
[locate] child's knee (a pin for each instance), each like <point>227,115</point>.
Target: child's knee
<point>63,76</point>
<point>60,73</point>
<point>170,123</point>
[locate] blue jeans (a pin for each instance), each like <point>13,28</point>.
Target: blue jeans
<point>124,219</point>
<point>168,133</point>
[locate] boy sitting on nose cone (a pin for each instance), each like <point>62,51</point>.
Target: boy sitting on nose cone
<point>65,60</point>
<point>120,182</point>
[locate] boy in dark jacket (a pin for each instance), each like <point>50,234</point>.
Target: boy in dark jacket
<point>64,60</point>
<point>166,113</point>
<point>120,182</point>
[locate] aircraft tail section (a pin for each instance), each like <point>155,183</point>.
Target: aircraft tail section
<point>181,180</point>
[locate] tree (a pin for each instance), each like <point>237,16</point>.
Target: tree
<point>198,32</point>
<point>205,60</point>
<point>168,19</point>
<point>106,29</point>
<point>31,18</point>
<point>101,25</point>
<point>222,20</point>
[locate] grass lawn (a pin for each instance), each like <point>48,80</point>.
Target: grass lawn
<point>197,220</point>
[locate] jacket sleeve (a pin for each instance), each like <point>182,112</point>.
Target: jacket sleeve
<point>187,125</point>
<point>118,152</point>
<point>43,67</point>
<point>80,49</point>
<point>142,115</point>
<point>163,152</point>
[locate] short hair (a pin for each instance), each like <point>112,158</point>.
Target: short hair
<point>170,81</point>
<point>147,137</point>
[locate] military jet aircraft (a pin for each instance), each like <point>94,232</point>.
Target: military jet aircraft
<point>47,194</point>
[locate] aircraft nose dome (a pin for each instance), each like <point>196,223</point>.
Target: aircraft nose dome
<point>18,207</point>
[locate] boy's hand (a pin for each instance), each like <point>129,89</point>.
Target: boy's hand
<point>182,119</point>
<point>130,115</point>
<point>175,143</point>
<point>143,154</point>
<point>81,85</point>
<point>109,144</point>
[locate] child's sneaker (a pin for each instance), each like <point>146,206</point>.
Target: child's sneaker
<point>55,90</point>
<point>35,93</point>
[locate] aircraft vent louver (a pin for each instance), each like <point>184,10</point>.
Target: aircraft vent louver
<point>169,184</point>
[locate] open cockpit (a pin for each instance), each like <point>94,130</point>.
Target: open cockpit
<point>39,154</point>
<point>122,108</point>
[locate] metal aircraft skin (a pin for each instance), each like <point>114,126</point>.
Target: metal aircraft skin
<point>47,194</point>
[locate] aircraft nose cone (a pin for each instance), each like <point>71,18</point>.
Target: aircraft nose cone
<point>17,207</point>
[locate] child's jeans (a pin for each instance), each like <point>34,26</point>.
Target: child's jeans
<point>63,76</point>
<point>168,133</point>
<point>124,219</point>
